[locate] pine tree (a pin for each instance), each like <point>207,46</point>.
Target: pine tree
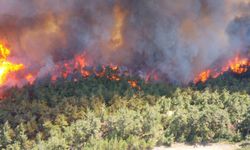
<point>21,137</point>
<point>6,134</point>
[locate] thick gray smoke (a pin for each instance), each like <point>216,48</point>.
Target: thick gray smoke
<point>178,38</point>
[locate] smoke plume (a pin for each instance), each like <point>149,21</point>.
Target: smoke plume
<point>177,38</point>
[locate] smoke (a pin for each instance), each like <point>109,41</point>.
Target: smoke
<point>177,38</point>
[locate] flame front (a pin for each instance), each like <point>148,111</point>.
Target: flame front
<point>9,71</point>
<point>237,65</point>
<point>203,76</point>
<point>7,67</point>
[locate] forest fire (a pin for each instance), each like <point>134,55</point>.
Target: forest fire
<point>10,71</point>
<point>80,64</point>
<point>237,65</point>
<point>100,39</point>
<point>6,66</point>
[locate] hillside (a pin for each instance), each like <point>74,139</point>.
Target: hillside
<point>98,113</point>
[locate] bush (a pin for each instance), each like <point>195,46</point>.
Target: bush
<point>245,124</point>
<point>96,113</point>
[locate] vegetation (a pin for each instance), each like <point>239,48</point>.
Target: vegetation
<point>96,113</point>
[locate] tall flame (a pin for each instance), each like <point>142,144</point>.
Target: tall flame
<point>7,67</point>
<point>119,17</point>
<point>239,65</point>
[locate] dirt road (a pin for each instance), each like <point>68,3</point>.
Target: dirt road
<point>200,147</point>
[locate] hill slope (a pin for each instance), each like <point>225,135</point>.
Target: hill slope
<point>97,113</point>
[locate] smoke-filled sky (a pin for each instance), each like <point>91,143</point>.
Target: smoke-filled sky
<point>178,38</point>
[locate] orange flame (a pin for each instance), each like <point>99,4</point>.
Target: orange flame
<point>237,65</point>
<point>30,78</point>
<point>134,84</point>
<point>64,70</point>
<point>7,67</point>
<point>114,77</point>
<point>114,67</point>
<point>80,61</point>
<point>203,76</point>
<point>117,37</point>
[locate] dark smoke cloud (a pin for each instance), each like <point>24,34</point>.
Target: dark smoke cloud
<point>177,38</point>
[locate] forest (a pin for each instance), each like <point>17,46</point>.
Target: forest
<point>98,113</point>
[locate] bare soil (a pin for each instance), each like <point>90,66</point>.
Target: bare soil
<point>217,146</point>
